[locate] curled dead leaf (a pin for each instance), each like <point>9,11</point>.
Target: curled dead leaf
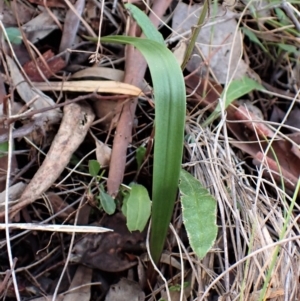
<point>103,151</point>
<point>110,252</point>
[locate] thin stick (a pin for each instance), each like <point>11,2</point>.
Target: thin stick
<point>134,74</point>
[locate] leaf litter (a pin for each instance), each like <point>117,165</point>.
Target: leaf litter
<point>248,159</point>
<point>213,46</point>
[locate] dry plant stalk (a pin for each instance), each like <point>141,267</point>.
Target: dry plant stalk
<point>75,124</point>
<point>134,75</point>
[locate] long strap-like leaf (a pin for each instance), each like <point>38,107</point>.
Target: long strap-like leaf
<point>147,27</point>
<point>169,131</point>
<point>170,110</point>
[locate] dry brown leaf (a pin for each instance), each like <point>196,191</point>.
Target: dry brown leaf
<point>293,119</point>
<point>50,3</point>
<point>295,147</point>
<point>278,172</point>
<point>9,9</point>
<point>248,142</point>
<point>179,52</point>
<point>43,20</point>
<point>27,94</point>
<point>262,9</point>
<point>58,204</point>
<point>81,279</point>
<point>249,106</point>
<point>125,290</point>
<point>206,91</point>
<point>90,86</point>
<point>71,25</point>
<point>100,72</point>
<point>104,109</point>
<point>21,132</point>
<point>220,46</point>
<point>111,251</point>
<point>53,65</point>
<point>76,122</point>
<point>103,153</point>
<point>83,275</point>
<point>252,122</point>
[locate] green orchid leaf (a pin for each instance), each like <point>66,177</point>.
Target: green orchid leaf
<point>146,25</point>
<point>170,110</point>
